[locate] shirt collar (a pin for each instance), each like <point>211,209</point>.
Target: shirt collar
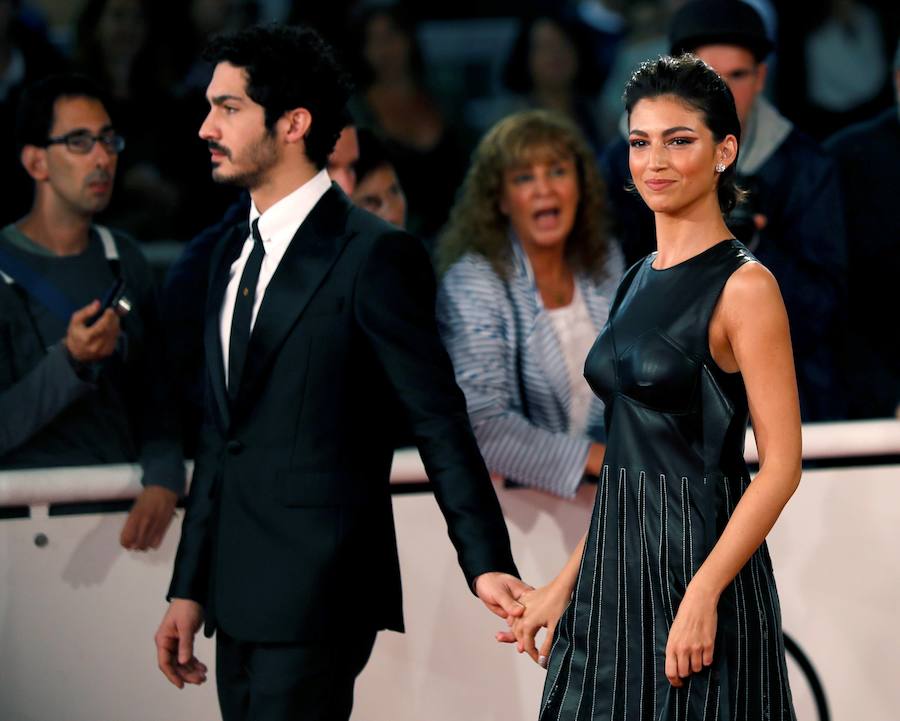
<point>285,217</point>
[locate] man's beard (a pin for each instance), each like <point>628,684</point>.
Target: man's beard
<point>258,158</point>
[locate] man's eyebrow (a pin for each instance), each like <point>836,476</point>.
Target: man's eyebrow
<point>108,128</point>
<point>221,99</point>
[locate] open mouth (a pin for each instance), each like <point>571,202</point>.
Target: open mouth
<point>546,217</point>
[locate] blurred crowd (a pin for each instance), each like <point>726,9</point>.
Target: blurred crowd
<point>816,91</point>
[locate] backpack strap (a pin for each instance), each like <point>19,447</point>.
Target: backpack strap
<point>15,271</point>
<point>110,249</point>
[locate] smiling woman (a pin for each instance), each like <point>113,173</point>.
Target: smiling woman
<point>668,609</point>
<point>529,274</point>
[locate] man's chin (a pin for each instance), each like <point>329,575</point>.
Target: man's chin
<point>236,179</point>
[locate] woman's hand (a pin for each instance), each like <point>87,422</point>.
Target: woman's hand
<point>692,636</point>
<point>543,608</point>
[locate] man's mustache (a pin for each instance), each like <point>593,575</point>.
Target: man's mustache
<point>218,148</point>
<point>99,176</point>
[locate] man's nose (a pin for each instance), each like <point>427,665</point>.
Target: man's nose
<point>103,156</point>
<point>207,129</point>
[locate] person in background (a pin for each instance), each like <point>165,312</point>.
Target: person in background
<point>78,385</point>
<point>119,43</point>
<point>868,160</point>
<point>377,186</point>
<point>528,275</point>
<point>550,66</point>
<point>184,291</point>
<point>395,102</point>
<point>792,218</point>
<point>26,56</point>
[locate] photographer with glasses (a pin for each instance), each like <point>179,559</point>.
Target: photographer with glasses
<point>80,338</point>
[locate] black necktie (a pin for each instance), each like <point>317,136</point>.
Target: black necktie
<point>243,312</point>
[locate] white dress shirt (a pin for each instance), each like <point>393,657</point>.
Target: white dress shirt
<point>277,226</point>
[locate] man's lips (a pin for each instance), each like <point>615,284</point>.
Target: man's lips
<point>658,184</point>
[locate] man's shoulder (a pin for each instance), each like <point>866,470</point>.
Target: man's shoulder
<point>851,141</point>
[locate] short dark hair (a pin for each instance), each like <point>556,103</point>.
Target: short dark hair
<point>34,116</point>
<point>696,84</point>
<point>287,68</point>
<point>372,154</point>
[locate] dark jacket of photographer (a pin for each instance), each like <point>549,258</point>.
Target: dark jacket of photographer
<point>55,412</point>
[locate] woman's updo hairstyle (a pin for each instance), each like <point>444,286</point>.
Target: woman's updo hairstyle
<point>696,84</point>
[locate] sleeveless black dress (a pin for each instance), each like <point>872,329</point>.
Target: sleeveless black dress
<point>674,471</point>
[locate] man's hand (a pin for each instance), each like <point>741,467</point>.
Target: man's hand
<point>175,643</point>
<point>88,344</point>
<point>150,516</point>
<point>501,592</point>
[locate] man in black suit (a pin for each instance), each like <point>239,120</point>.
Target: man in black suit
<point>319,326</point>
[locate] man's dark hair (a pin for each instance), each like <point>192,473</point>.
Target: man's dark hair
<point>287,68</point>
<point>34,118</point>
<point>696,84</point>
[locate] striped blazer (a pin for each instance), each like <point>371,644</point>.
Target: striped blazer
<point>503,344</point>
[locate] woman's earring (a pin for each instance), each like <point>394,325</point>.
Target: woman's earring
<point>720,167</point>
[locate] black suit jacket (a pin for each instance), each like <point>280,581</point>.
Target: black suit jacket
<point>289,531</point>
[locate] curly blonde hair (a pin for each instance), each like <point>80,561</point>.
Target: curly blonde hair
<point>476,223</point>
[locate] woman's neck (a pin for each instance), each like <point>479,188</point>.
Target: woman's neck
<point>682,235</point>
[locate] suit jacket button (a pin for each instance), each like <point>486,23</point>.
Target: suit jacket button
<point>235,447</point>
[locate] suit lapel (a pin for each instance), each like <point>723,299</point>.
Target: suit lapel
<point>219,277</point>
<point>310,256</point>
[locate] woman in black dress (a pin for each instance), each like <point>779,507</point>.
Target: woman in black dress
<point>668,611</point>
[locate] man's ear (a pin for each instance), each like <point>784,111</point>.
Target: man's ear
<point>34,160</point>
<point>297,123</point>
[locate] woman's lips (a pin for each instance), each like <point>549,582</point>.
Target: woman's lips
<point>658,184</point>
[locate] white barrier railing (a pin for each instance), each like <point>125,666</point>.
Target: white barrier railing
<point>43,486</point>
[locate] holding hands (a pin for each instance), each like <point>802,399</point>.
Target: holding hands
<point>543,608</point>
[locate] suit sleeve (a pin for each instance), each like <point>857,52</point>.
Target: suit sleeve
<point>394,306</point>
<point>481,339</point>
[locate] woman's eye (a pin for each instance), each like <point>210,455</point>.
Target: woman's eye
<point>522,178</point>
<point>558,171</point>
<point>636,143</point>
<point>681,141</point>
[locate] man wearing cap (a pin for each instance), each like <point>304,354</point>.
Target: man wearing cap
<point>792,220</point>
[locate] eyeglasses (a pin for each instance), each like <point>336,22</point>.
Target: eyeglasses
<point>82,142</point>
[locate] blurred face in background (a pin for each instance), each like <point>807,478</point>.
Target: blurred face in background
<point>212,16</point>
<point>553,58</point>
<point>386,47</point>
<point>80,184</point>
<point>380,193</point>
<point>121,30</point>
<point>746,78</point>
<point>342,161</point>
<point>540,197</point>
